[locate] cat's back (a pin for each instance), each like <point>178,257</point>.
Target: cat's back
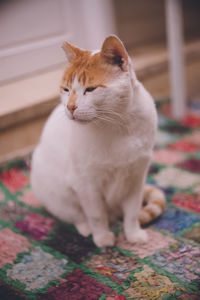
<point>143,125</point>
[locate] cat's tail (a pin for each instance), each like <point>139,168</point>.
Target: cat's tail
<point>154,204</point>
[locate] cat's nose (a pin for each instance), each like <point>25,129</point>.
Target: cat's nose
<point>71,107</point>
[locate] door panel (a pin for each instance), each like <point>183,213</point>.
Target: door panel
<point>32,32</point>
<point>31,35</point>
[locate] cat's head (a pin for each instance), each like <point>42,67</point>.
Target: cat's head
<point>97,84</point>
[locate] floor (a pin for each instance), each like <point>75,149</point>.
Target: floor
<point>42,258</point>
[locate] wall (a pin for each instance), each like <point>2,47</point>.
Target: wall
<point>140,22</point>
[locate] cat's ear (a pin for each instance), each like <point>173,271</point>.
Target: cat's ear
<point>114,52</point>
<point>70,51</point>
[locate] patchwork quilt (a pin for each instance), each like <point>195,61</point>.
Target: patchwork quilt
<point>43,258</point>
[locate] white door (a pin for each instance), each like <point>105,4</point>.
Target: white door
<point>32,32</point>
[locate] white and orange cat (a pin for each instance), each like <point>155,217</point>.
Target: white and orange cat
<point>91,163</point>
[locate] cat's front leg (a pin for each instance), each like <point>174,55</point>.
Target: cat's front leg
<point>97,216</point>
<point>133,232</point>
<point>132,205</point>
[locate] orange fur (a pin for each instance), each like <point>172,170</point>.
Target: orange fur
<point>71,105</point>
<point>153,197</point>
<point>160,203</point>
<point>91,70</point>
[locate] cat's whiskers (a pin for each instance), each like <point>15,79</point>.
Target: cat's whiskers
<point>111,121</point>
<point>105,118</point>
<point>106,109</point>
<point>113,116</point>
<point>102,114</point>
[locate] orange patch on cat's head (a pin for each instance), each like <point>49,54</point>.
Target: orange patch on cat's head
<point>94,69</point>
<point>89,69</point>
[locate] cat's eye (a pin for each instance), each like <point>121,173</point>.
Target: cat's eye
<point>90,89</point>
<point>66,89</point>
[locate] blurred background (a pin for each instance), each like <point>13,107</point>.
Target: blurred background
<point>162,37</point>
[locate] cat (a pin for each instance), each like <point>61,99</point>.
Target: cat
<point>94,153</point>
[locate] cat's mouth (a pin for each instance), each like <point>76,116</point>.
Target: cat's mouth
<point>82,120</point>
<point>80,117</point>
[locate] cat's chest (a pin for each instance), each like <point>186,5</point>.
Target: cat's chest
<point>116,182</point>
<point>107,152</point>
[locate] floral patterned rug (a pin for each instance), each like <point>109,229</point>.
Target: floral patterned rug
<point>42,258</point>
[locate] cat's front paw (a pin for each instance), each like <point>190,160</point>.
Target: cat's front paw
<point>106,239</point>
<point>138,236</point>
<point>83,228</point>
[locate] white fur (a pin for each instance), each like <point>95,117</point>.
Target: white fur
<point>95,52</point>
<point>88,174</point>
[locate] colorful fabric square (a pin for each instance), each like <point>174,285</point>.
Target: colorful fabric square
<point>191,121</point>
<point>11,244</point>
<point>193,138</point>
<point>14,179</point>
<point>197,189</point>
<point>2,196</point>
<point>28,198</point>
<point>36,225</point>
<point>190,201</point>
<point>194,233</point>
<point>189,296</point>
<point>113,264</point>
<point>183,261</point>
<point>77,286</point>
<point>115,296</point>
<point>8,292</point>
<point>150,285</point>
<point>37,269</point>
<point>175,177</point>
<point>166,156</point>
<point>175,220</point>
<point>143,250</point>
<point>163,138</point>
<point>166,109</point>
<point>72,244</point>
<point>192,164</point>
<point>162,120</point>
<point>184,146</point>
<point>176,128</point>
<point>12,211</point>
<point>154,169</point>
